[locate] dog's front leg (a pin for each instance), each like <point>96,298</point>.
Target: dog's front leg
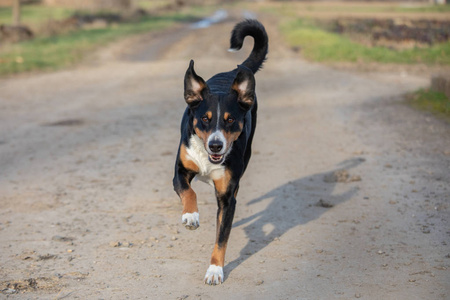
<point>182,186</point>
<point>226,201</point>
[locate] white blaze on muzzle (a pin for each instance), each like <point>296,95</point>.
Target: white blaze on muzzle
<point>217,136</point>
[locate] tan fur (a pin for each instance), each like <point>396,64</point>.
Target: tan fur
<point>189,201</point>
<point>218,255</point>
<point>232,136</point>
<point>222,183</point>
<point>187,163</point>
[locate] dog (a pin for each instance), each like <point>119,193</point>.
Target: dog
<point>217,130</point>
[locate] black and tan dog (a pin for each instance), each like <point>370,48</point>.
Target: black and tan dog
<point>216,137</point>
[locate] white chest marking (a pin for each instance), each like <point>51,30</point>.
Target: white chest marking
<point>207,170</point>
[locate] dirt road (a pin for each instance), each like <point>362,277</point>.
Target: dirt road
<point>346,196</point>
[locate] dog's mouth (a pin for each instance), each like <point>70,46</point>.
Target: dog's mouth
<point>216,158</point>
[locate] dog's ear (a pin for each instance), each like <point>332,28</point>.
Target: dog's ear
<point>244,85</point>
<point>194,85</point>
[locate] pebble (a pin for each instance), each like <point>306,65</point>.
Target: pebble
<point>355,178</point>
<point>62,238</point>
<point>70,250</point>
<point>259,282</point>
<point>9,291</point>
<point>115,244</point>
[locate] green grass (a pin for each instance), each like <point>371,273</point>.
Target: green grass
<point>293,8</point>
<point>50,53</point>
<point>35,15</point>
<point>319,45</point>
<point>435,102</point>
<point>423,9</point>
<point>152,4</point>
<point>364,8</point>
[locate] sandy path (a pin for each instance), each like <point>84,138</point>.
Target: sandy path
<point>88,212</point>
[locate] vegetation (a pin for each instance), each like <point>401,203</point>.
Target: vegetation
<point>435,102</point>
<point>35,15</point>
<point>49,53</point>
<point>320,45</point>
<point>302,8</point>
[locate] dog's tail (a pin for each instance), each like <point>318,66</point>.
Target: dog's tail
<point>256,30</point>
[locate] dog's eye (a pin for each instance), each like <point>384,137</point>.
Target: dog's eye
<point>230,120</point>
<point>205,119</point>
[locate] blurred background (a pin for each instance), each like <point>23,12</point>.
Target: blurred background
<point>357,31</point>
<point>51,34</point>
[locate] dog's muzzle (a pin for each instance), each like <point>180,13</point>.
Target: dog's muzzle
<point>216,147</point>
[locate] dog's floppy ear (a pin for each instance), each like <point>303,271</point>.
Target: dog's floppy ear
<point>244,85</point>
<point>193,86</point>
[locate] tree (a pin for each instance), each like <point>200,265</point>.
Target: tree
<point>16,12</point>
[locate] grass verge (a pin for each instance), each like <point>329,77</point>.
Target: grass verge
<point>319,45</point>
<point>434,102</point>
<point>50,53</point>
<point>33,15</point>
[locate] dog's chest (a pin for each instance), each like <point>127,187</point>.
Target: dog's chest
<point>207,171</point>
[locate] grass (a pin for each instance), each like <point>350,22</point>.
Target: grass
<point>435,102</point>
<point>368,8</point>
<point>35,15</point>
<point>319,45</point>
<point>50,53</point>
<point>152,4</point>
<point>302,8</point>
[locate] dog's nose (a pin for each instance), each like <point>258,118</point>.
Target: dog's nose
<point>215,146</point>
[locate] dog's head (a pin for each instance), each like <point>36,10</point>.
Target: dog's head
<point>218,118</point>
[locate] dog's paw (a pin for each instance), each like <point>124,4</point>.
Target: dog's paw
<point>214,275</point>
<point>191,220</point>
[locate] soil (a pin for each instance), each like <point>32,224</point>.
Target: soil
<point>393,33</point>
<point>88,210</point>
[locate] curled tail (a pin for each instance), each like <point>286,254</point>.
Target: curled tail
<point>256,30</point>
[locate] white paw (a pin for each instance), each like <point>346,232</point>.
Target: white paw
<point>214,275</point>
<point>191,220</point>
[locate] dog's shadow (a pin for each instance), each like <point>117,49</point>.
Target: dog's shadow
<point>294,203</point>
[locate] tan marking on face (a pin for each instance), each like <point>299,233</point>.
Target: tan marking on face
<point>209,114</point>
<point>222,183</point>
<point>189,201</point>
<point>226,116</point>
<point>201,134</point>
<point>187,163</point>
<point>218,255</point>
<point>233,136</point>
